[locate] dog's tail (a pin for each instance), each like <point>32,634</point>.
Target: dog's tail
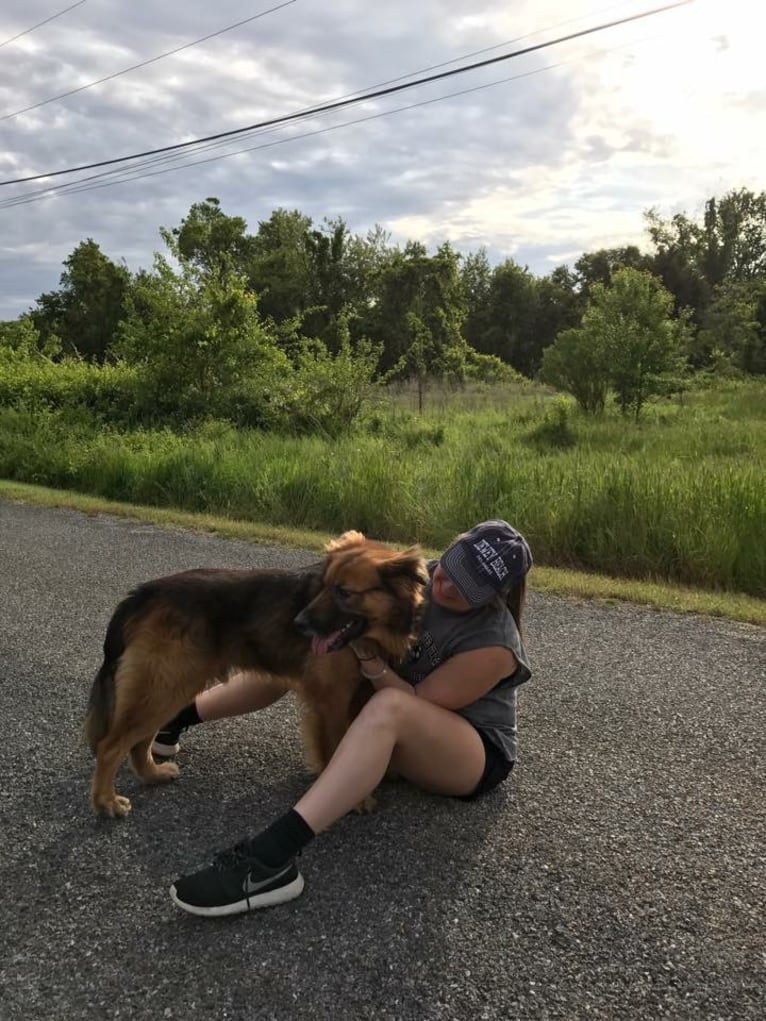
<point>100,705</point>
<point>101,702</point>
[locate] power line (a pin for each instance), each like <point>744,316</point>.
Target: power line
<point>41,23</point>
<point>144,63</point>
<point>143,169</point>
<point>156,160</point>
<point>131,174</point>
<point>126,175</point>
<point>340,104</point>
<point>485,49</point>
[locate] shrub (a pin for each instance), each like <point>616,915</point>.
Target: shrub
<point>108,393</point>
<point>555,430</point>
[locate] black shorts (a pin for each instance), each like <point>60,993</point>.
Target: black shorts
<point>496,768</point>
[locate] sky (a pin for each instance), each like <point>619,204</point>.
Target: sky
<point>539,159</point>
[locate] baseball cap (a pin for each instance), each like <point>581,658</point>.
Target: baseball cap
<point>486,561</point>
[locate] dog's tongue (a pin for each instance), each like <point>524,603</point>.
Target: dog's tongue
<point>320,644</point>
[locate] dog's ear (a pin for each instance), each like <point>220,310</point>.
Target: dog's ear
<point>313,578</point>
<point>345,541</point>
<point>409,565</point>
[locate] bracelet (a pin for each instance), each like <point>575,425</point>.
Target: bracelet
<point>374,677</point>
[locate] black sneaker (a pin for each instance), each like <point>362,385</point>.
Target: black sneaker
<point>236,882</point>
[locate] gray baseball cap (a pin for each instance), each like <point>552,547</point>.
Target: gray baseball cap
<point>488,560</point>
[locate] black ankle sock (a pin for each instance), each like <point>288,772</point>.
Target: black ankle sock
<point>188,717</point>
<point>281,841</point>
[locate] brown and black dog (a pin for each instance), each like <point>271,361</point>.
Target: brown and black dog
<point>172,637</point>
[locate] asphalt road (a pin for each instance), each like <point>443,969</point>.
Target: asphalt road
<point>621,874</point>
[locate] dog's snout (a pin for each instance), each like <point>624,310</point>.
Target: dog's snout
<point>303,623</point>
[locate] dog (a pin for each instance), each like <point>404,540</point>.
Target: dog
<point>173,636</point>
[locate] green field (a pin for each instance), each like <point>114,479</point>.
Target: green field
<point>679,497</point>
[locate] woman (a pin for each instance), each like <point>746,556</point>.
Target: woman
<point>446,721</point>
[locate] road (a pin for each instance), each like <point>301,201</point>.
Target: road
<point>621,874</point>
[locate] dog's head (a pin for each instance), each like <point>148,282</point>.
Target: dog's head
<point>367,590</point>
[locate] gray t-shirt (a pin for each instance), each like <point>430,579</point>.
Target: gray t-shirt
<point>445,633</point>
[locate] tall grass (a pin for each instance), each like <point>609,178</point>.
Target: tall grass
<point>681,496</point>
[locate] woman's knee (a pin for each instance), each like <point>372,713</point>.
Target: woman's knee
<point>386,707</point>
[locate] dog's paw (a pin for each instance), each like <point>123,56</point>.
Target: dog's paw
<point>366,806</point>
<point>163,772</point>
<point>114,808</point>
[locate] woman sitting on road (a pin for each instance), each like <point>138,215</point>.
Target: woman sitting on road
<point>446,721</point>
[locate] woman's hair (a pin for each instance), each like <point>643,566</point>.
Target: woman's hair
<point>515,599</point>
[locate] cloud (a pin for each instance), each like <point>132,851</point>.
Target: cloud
<point>562,159</point>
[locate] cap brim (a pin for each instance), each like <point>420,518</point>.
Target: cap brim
<point>474,593</point>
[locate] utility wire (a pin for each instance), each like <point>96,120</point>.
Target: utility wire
<point>126,175</point>
<point>129,174</point>
<point>41,23</point>
<point>485,49</point>
<point>390,81</point>
<point>340,104</point>
<point>173,157</point>
<point>144,63</point>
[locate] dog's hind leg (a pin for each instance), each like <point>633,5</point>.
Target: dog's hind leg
<point>110,753</point>
<point>144,766</point>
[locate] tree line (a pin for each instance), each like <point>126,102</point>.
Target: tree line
<point>304,302</point>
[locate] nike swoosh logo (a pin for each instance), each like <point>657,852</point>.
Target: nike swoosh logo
<point>250,886</point>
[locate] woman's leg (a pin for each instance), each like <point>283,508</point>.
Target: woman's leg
<point>432,747</point>
<point>244,693</point>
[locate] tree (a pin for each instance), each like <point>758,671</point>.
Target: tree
<point>577,362</point>
<point>415,291</point>
<point>733,237</point>
<point>281,270</point>
<point>729,245</point>
<point>197,336</point>
<point>419,358</point>
<point>557,308</point>
<point>513,315</point>
<point>340,281</point>
<point>476,283</point>
<point>210,240</point>
<point>735,324</point>
<point>328,391</point>
<point>600,266</point>
<point>628,342</point>
<point>19,339</point>
<point>83,315</point>
<point>510,332</point>
<point>643,343</point>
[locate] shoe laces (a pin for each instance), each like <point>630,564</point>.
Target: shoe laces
<point>235,857</point>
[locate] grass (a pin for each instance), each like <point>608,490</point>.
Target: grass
<point>677,500</point>
<point>549,580</point>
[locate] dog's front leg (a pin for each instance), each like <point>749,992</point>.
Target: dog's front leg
<point>329,709</point>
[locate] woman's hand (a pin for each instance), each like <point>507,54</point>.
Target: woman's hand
<point>374,668</point>
<point>371,664</point>
<point>365,649</point>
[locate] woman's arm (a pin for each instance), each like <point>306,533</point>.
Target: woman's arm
<point>459,681</point>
